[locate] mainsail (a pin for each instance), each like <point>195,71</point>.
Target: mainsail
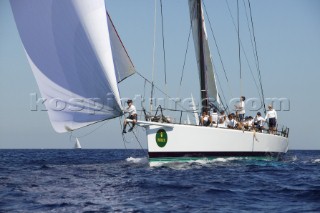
<point>207,80</point>
<point>77,59</point>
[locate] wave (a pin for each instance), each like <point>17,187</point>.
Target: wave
<point>172,165</point>
<point>216,191</point>
<point>45,167</point>
<point>206,161</point>
<point>193,163</point>
<point>316,161</point>
<point>185,164</point>
<point>143,160</point>
<point>289,159</point>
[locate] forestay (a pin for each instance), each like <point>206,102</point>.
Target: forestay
<point>210,82</point>
<point>77,59</point>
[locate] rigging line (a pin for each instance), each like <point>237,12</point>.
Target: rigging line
<point>244,52</point>
<point>239,47</point>
<point>185,58</point>
<point>86,134</point>
<point>226,109</point>
<point>70,137</point>
<point>123,139</point>
<point>176,110</point>
<point>151,99</point>
<point>154,38</point>
<point>256,51</point>
<point>221,92</point>
<point>218,50</point>
<point>139,142</point>
<point>249,28</point>
<point>144,94</point>
<point>158,88</point>
<point>215,41</point>
<point>154,48</point>
<point>163,47</point>
<point>252,45</point>
<point>253,37</point>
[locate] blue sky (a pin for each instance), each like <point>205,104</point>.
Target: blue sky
<point>288,39</point>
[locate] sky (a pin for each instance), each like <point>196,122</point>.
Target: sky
<point>288,41</point>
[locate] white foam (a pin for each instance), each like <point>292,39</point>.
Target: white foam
<point>178,165</point>
<point>227,159</point>
<point>223,160</point>
<point>316,161</point>
<point>202,161</point>
<point>156,164</point>
<point>294,158</point>
<point>172,165</point>
<point>137,160</point>
<point>205,161</point>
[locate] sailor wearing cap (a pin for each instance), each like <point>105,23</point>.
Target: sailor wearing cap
<point>131,110</point>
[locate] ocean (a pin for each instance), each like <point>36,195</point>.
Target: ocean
<point>121,181</point>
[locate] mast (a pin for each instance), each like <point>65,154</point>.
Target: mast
<point>203,88</point>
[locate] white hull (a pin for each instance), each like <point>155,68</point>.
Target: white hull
<point>199,141</point>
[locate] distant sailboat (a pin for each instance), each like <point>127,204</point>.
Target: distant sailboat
<point>78,60</point>
<point>77,144</point>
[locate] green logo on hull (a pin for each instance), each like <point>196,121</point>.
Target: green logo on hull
<point>161,138</point>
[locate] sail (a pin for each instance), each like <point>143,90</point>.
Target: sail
<point>209,76</point>
<point>194,108</point>
<point>122,62</point>
<point>74,55</point>
<point>77,144</point>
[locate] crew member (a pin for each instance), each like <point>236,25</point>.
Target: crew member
<point>131,110</point>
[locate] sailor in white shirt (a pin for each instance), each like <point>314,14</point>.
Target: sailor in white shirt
<point>240,108</point>
<point>272,116</point>
<point>222,120</point>
<point>214,117</point>
<point>259,122</point>
<point>131,110</point>
<point>248,123</point>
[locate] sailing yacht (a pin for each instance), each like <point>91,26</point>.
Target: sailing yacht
<point>77,144</point>
<point>176,141</point>
<point>78,59</point>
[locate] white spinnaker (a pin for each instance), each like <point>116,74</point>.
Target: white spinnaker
<point>209,72</point>
<point>68,47</point>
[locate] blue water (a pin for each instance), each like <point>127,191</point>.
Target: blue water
<point>122,181</point>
